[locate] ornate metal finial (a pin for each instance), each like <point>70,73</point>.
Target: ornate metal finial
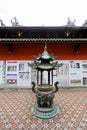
<point>1,22</point>
<point>45,48</point>
<point>15,22</point>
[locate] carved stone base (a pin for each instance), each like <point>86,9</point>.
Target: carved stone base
<point>45,113</point>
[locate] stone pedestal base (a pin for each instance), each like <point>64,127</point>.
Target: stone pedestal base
<point>45,113</point>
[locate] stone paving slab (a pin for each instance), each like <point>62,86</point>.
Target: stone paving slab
<point>15,111</point>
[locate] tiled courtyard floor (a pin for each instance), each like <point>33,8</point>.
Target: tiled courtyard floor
<point>15,111</point>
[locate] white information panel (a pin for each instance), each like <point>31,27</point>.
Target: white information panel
<point>19,73</point>
<point>11,72</point>
<point>24,73</point>
<point>75,73</point>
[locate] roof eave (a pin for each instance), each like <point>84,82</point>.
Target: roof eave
<point>43,40</point>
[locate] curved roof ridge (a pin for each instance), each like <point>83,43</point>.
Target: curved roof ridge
<point>45,54</point>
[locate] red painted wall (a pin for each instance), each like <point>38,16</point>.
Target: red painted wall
<point>27,51</point>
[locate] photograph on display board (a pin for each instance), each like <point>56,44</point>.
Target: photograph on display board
<point>75,73</point>
<point>24,78</point>
<point>24,75</point>
<point>11,72</point>
<point>11,78</point>
<point>23,66</point>
<point>12,68</point>
<point>74,65</point>
<point>84,80</point>
<point>84,66</point>
<point>75,81</point>
<point>63,74</point>
<point>84,72</point>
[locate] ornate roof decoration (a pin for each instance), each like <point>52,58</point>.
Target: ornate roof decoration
<point>15,22</point>
<point>21,32</point>
<point>43,34</point>
<point>2,23</point>
<point>85,23</point>
<point>71,23</point>
<point>45,55</point>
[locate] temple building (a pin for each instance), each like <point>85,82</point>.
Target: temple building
<point>20,44</point>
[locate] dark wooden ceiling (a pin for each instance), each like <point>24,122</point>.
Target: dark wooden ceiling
<point>43,32</point>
